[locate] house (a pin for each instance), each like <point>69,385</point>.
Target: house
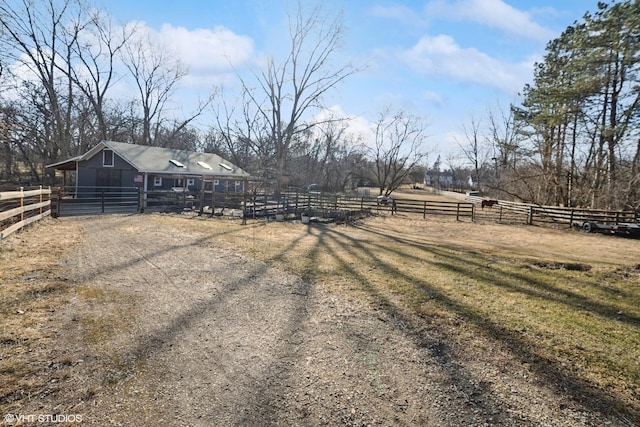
<point>115,165</point>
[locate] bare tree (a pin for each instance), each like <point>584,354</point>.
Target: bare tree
<point>326,156</point>
<point>289,90</point>
<point>97,52</point>
<point>39,37</point>
<point>245,137</point>
<point>39,40</point>
<point>474,148</point>
<point>156,74</point>
<point>398,147</point>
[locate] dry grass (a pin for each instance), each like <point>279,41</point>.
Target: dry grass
<point>99,327</point>
<point>34,358</point>
<point>33,288</point>
<point>566,303</point>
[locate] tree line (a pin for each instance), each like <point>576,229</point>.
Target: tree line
<point>574,139</point>
<point>62,62</point>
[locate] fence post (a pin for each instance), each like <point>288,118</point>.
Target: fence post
<point>457,211</point>
<point>254,199</point>
<point>22,203</point>
<point>424,210</point>
<point>213,198</point>
<point>202,198</point>
<point>49,198</point>
<point>102,200</point>
<point>266,206</point>
<point>244,201</point>
<point>40,200</point>
<point>530,216</point>
<point>58,202</point>
<point>500,217</point>
<point>141,199</point>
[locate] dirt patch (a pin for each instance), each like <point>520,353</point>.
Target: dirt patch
<point>159,324</point>
<point>562,266</point>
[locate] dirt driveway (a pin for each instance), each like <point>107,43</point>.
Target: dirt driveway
<point>167,327</point>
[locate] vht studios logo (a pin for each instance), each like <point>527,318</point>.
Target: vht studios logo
<point>42,418</point>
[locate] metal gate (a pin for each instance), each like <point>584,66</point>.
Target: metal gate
<point>70,201</point>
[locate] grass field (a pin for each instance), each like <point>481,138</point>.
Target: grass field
<point>565,303</point>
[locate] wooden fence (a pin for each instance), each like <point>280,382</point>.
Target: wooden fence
<point>319,203</point>
<point>569,216</point>
<point>22,207</point>
<point>530,214</point>
<point>91,201</point>
<point>323,205</point>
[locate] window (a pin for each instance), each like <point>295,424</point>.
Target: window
<point>107,158</point>
<point>204,165</point>
<point>176,163</point>
<point>157,181</point>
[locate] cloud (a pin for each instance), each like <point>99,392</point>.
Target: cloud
<point>441,56</point>
<point>202,50</point>
<point>491,13</point>
<point>358,128</point>
<point>434,98</point>
<point>400,13</point>
<point>208,49</point>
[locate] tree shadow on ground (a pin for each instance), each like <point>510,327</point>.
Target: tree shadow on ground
<point>123,364</point>
<point>349,254</point>
<point>554,376</point>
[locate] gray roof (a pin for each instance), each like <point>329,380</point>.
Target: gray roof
<point>164,161</point>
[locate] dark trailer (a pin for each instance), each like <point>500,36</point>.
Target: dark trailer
<point>629,229</point>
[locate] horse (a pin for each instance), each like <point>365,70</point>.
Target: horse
<point>489,203</point>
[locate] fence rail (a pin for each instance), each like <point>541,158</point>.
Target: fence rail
<point>326,204</point>
<point>85,201</point>
<point>22,207</point>
<point>316,203</point>
<point>556,215</point>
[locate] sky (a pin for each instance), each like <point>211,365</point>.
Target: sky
<point>446,60</point>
